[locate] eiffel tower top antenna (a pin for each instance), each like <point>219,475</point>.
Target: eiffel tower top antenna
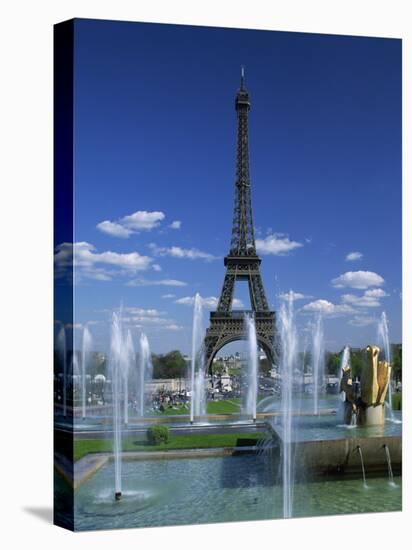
<point>242,77</point>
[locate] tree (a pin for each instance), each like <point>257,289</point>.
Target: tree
<point>218,367</point>
<point>357,362</point>
<point>397,362</point>
<point>332,361</point>
<point>265,367</point>
<point>169,365</point>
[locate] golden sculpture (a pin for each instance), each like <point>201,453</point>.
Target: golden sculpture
<point>374,383</point>
<point>384,376</point>
<point>369,377</point>
<point>375,379</point>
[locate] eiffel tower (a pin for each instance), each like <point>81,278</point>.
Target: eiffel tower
<point>242,263</point>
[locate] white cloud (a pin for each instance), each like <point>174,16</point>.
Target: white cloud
<point>114,229</point>
<point>133,223</point>
<point>143,320</point>
<point>362,321</point>
<point>168,296</point>
<point>173,327</point>
<point>157,267</point>
<point>142,220</point>
<point>353,256</point>
<point>209,302</point>
<point>88,263</point>
<point>328,308</point>
<point>185,253</point>
<point>139,311</point>
<point>159,282</point>
<point>277,244</point>
<point>176,224</point>
<point>148,319</point>
<point>370,298</point>
<point>376,293</point>
<point>295,296</point>
<point>186,301</point>
<point>358,279</point>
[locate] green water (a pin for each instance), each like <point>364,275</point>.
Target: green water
<point>207,490</point>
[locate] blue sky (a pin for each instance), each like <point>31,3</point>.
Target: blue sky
<point>155,130</point>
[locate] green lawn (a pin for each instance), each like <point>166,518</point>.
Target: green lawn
<point>192,441</point>
<point>222,406</point>
<point>169,411</point>
<point>225,406</point>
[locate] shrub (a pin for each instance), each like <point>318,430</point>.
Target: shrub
<point>158,434</point>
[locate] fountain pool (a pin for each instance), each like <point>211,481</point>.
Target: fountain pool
<point>327,427</point>
<point>216,489</point>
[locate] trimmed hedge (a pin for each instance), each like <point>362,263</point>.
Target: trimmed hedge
<point>157,435</point>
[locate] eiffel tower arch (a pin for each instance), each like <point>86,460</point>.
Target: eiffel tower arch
<point>242,262</point>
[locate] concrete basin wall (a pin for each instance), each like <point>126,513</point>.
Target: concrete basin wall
<point>341,456</point>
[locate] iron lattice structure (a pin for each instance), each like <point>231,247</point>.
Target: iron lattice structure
<point>242,262</point>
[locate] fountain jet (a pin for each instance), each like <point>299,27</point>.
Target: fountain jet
<point>62,351</point>
<point>383,339</point>
<point>358,448</point>
<point>389,463</point>
<point>117,356</point>
<point>127,365</point>
<point>318,353</point>
<point>344,363</point>
<point>288,335</point>
<point>145,370</point>
<point>86,348</point>
<point>197,400</point>
<point>252,368</point>
<point>344,366</point>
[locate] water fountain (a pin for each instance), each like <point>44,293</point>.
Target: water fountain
<point>127,366</point>
<point>252,367</point>
<point>288,335</point>
<point>86,348</point>
<point>197,400</point>
<point>116,365</point>
<point>303,363</point>
<point>145,371</point>
<point>383,339</point>
<point>298,448</point>
<point>318,358</point>
<point>344,366</point>
<point>358,448</point>
<point>389,463</point>
<point>75,374</point>
<point>62,352</point>
<point>200,390</point>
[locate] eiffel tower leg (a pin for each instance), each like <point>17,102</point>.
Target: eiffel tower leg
<point>210,346</point>
<point>226,296</point>
<point>257,290</point>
